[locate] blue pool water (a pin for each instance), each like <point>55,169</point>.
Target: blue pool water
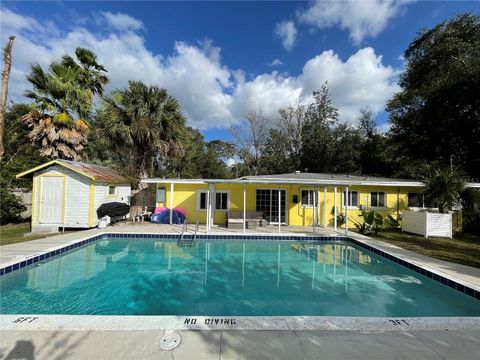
<point>259,278</point>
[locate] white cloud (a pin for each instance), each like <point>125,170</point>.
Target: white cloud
<point>16,21</point>
<point>287,32</point>
<point>276,62</point>
<point>211,94</point>
<point>121,21</point>
<point>384,127</point>
<point>365,18</point>
<point>362,79</point>
<point>268,92</point>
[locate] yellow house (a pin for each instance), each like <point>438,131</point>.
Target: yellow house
<point>306,199</point>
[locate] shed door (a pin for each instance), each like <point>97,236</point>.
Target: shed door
<point>51,199</point>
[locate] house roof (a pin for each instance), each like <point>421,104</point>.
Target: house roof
<point>341,179</point>
<point>92,171</point>
<point>299,179</point>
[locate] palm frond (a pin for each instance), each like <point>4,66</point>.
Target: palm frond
<point>63,118</point>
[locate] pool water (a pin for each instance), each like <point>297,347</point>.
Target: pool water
<point>257,278</point>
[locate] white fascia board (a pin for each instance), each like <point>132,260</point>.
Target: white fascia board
<point>310,182</point>
<point>173,181</point>
<point>393,183</point>
<point>316,182</point>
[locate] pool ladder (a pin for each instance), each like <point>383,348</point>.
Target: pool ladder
<point>187,242</point>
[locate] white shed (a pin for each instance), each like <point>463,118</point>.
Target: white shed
<point>68,193</point>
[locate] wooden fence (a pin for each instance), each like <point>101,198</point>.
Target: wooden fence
<point>144,198</point>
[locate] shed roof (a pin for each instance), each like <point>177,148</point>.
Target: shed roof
<point>92,171</point>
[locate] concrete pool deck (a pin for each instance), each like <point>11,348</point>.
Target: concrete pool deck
<point>422,338</point>
<point>251,345</point>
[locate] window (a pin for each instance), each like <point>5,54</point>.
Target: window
<point>203,201</point>
<point>112,190</point>
<point>429,203</point>
<point>352,199</point>
<point>221,200</point>
<point>377,199</point>
<point>268,204</point>
<point>415,200</point>
<point>307,198</point>
<point>161,195</point>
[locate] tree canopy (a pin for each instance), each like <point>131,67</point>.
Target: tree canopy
<point>436,115</point>
<point>144,123</point>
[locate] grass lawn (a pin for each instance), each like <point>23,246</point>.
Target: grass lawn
<point>462,249</point>
<point>15,233</point>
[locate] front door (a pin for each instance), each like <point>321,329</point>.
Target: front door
<point>267,202</point>
<point>51,200</point>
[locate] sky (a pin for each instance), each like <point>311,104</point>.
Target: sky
<point>222,59</point>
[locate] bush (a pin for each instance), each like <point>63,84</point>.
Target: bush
<point>10,206</point>
<point>374,222</point>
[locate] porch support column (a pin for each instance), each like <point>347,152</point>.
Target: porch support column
<point>171,203</point>
<point>335,209</point>
<point>346,210</point>
<point>318,207</point>
<point>207,217</point>
<point>279,209</point>
<point>325,207</point>
<point>398,202</point>
<point>244,213</point>
<point>212,206</point>
<point>314,211</point>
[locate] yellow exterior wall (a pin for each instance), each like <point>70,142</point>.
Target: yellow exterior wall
<point>185,196</point>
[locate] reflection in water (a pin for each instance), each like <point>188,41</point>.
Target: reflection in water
<point>243,265</point>
<point>125,276</point>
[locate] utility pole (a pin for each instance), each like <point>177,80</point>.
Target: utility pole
<point>7,57</point>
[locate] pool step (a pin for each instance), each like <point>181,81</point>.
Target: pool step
<point>185,242</point>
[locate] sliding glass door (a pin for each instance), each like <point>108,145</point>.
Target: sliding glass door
<point>267,202</point>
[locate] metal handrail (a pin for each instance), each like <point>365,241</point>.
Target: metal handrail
<point>184,227</point>
<point>196,230</point>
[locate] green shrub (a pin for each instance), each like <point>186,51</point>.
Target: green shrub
<point>10,206</point>
<point>373,221</point>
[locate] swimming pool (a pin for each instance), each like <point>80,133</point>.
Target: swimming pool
<point>154,276</point>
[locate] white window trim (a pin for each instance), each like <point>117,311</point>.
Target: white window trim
<point>198,199</point>
<point>216,192</point>
<point>228,199</point>
<point>307,206</point>
<point>350,206</point>
<point>384,200</point>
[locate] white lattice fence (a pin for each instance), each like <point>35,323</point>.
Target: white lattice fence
<point>427,223</point>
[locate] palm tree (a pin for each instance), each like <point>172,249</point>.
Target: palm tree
<point>63,98</point>
<point>91,75</point>
<point>145,123</point>
<point>448,187</point>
